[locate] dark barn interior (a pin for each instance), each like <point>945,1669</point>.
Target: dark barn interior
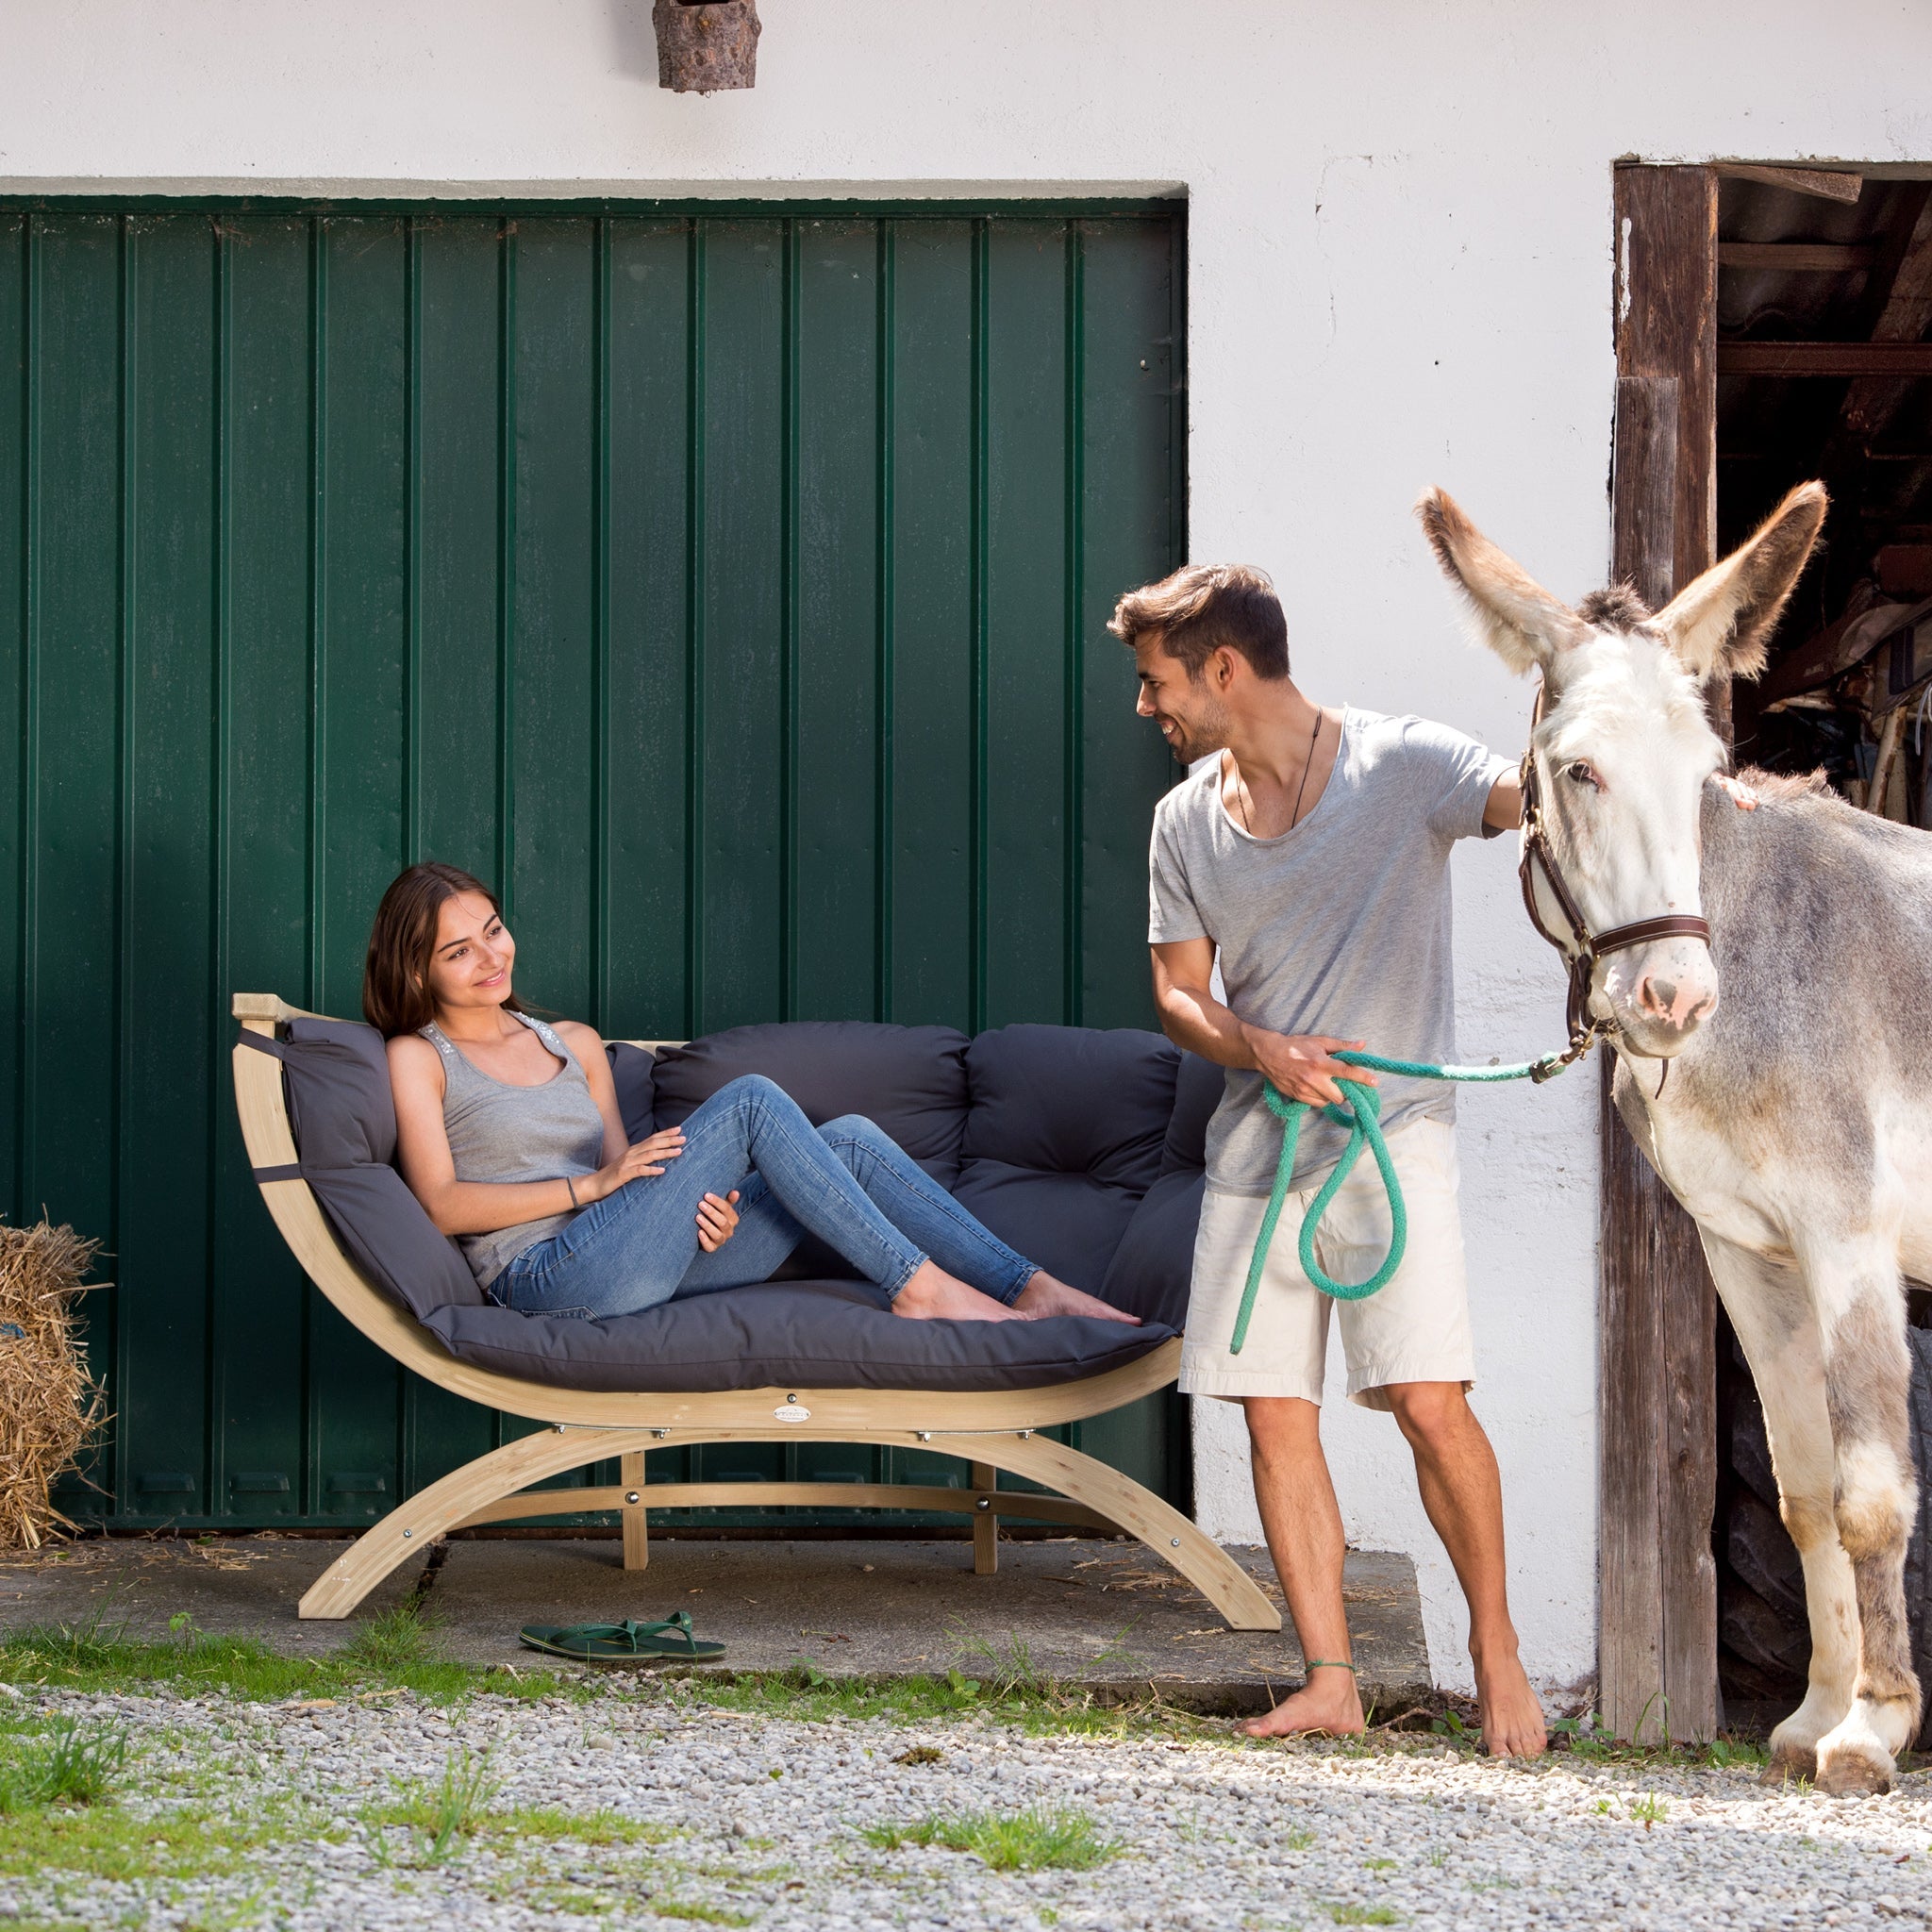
<point>1824,300</point>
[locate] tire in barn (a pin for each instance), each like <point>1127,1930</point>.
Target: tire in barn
<point>1764,1643</point>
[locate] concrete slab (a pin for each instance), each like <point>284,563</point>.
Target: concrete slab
<point>241,1586</point>
<point>1096,1613</point>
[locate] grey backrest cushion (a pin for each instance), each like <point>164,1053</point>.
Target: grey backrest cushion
<point>911,1081</point>
<point>1197,1089</point>
<point>633,1074</point>
<point>791,1337</point>
<point>336,1076</point>
<point>1063,1136</point>
<point>1151,1269</point>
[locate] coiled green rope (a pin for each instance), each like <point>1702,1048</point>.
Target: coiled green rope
<point>1363,1120</point>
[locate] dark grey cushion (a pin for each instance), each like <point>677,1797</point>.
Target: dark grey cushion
<point>336,1074</point>
<point>1072,1100</point>
<point>1063,1136</point>
<point>1197,1089</point>
<point>633,1074</point>
<point>1068,1223</point>
<point>1155,1262</point>
<point>789,1336</point>
<point>909,1081</point>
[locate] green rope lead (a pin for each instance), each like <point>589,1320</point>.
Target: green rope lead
<point>1363,1120</point>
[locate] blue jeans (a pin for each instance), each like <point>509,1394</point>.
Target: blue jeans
<point>845,1182</point>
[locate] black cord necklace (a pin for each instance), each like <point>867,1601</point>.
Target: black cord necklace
<point>1307,766</point>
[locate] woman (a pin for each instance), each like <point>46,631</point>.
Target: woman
<point>508,1134</point>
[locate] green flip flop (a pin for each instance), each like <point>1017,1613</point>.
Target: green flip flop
<point>628,1642</point>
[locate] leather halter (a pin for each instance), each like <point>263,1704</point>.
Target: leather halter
<point>1581,948</point>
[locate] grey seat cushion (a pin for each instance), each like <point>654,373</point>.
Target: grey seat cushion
<point>787,1335</point>
<point>336,1076</point>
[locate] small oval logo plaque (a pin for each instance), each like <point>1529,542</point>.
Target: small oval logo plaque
<point>791,1412</point>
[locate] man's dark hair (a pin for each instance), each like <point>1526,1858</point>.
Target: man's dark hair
<point>1204,606</point>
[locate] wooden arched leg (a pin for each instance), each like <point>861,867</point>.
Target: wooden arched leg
<point>506,1472</point>
<point>412,1526</point>
<point>1139,1511</point>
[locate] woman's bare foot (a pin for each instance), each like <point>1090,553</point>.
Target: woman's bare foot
<point>1327,1704</point>
<point>1044,1295</point>
<point>1512,1717</point>
<point>933,1295</point>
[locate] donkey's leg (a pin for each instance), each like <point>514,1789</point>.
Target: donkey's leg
<point>1769,1306</point>
<point>1867,1382</point>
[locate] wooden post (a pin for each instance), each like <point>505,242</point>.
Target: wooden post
<point>1656,1324</point>
<point>986,1525</point>
<point>636,1530</point>
<point>706,46</point>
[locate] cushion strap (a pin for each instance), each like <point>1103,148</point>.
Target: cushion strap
<point>292,1170</point>
<point>262,1043</point>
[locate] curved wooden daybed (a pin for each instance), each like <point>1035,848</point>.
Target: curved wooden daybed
<point>994,1430</point>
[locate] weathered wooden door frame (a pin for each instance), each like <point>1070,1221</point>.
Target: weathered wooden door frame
<point>1656,1482</point>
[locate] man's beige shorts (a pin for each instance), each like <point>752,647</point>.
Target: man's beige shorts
<point>1413,1329</point>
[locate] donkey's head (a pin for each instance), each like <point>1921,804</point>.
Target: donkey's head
<point>1623,748</point>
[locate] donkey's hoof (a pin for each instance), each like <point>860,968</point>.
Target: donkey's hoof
<point>1854,1770</point>
<point>1788,1763</point>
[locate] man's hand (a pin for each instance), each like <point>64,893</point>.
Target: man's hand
<point>1298,1064</point>
<point>717,1220</point>
<point>1737,791</point>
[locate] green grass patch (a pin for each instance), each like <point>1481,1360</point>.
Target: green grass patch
<point>439,1814</point>
<point>581,1900</point>
<point>1583,1737</point>
<point>1041,1836</point>
<point>806,1694</point>
<point>1363,1915</point>
<point>394,1652</point>
<point>73,1762</point>
<point>703,1915</point>
<point>105,1842</point>
<point>602,1827</point>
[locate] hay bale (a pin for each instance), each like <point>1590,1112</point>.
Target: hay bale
<point>50,1404</point>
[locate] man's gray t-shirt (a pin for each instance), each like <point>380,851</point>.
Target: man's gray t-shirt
<point>1340,927</point>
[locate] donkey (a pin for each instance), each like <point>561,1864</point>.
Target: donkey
<point>1792,1117</point>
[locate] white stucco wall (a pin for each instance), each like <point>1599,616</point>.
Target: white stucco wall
<point>1399,273</point>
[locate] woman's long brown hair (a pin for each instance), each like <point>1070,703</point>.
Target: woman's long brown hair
<point>395,977</point>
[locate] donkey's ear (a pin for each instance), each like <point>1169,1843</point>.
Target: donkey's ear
<point>1514,615</point>
<point>1724,620</point>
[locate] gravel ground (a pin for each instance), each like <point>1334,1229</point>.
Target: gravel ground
<point>727,1818</point>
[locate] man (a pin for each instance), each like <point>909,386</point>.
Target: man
<point>1313,855</point>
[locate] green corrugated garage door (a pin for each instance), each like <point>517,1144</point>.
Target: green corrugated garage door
<point>729,586</point>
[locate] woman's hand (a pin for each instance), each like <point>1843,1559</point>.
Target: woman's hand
<point>642,1161</point>
<point>717,1220</point>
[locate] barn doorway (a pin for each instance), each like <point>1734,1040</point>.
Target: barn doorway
<point>1823,300</point>
<point>1771,326</point>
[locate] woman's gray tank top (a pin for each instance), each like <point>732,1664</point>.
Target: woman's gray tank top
<point>502,1133</point>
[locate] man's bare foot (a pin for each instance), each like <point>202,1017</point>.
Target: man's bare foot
<point>1328,1704</point>
<point>933,1295</point>
<point>1044,1295</point>
<point>1512,1717</point>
